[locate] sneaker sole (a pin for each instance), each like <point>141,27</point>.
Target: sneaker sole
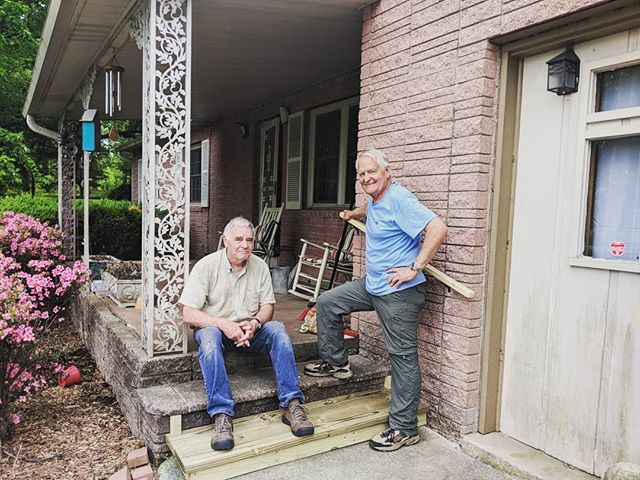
<point>390,448</point>
<point>341,376</point>
<point>222,446</point>
<point>301,432</point>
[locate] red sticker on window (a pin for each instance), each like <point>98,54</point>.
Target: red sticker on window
<point>617,248</point>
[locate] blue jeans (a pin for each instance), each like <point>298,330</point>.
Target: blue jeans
<point>272,338</point>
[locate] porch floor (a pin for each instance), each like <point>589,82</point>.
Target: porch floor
<point>287,309</point>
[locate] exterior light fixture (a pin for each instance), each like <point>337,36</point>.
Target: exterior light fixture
<point>564,73</point>
<point>113,86</point>
<point>244,130</point>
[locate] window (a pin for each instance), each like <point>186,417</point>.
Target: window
<point>333,146</point>
<point>612,226</point>
<point>196,174</point>
<point>199,174</point>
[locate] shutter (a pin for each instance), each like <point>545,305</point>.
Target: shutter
<point>204,179</point>
<point>295,141</point>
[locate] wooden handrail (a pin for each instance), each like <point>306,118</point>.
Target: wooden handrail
<point>431,270</point>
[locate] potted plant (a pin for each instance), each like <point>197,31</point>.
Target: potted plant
<point>123,280</point>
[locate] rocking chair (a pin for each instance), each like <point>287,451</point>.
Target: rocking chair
<point>266,233</point>
<point>316,260</point>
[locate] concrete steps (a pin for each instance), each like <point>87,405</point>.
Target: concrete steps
<point>254,392</point>
<point>263,440</point>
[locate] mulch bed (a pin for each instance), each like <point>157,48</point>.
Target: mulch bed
<point>77,432</point>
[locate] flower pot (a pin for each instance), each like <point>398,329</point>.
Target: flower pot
<point>123,282</point>
<point>69,377</point>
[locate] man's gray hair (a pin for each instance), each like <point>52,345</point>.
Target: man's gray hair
<point>377,155</point>
<point>238,222</point>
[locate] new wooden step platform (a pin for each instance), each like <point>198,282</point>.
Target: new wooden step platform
<point>263,441</point>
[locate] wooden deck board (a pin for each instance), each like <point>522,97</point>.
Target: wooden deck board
<point>263,440</point>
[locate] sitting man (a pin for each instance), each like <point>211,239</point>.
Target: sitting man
<point>229,300</point>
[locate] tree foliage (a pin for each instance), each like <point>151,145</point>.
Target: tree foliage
<point>25,157</point>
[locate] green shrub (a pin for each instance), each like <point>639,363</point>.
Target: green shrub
<point>115,226</point>
<point>44,209</point>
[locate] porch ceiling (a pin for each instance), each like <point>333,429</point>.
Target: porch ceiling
<point>245,52</point>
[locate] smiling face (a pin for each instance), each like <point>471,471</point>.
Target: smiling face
<point>374,179</point>
<point>239,244</point>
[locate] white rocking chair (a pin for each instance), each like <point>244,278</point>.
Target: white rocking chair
<point>309,278</point>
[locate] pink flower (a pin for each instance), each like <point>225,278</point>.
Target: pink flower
<point>15,418</point>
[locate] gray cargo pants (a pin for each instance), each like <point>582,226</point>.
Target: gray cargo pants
<point>398,312</point>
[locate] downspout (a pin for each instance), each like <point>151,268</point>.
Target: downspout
<point>40,130</point>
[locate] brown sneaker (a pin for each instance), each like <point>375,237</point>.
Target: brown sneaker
<point>222,432</point>
<point>295,415</point>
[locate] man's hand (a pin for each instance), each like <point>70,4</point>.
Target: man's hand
<point>401,275</point>
<point>347,215</point>
<point>233,331</point>
<point>249,330</point>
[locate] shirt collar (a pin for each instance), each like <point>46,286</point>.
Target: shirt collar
<point>227,264</point>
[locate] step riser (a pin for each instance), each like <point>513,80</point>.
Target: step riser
<point>155,426</point>
<point>247,362</point>
<point>269,460</point>
<point>263,441</point>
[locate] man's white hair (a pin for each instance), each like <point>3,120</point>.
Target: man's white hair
<point>238,222</point>
<point>377,155</point>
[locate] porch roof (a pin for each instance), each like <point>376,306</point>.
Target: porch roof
<point>244,52</point>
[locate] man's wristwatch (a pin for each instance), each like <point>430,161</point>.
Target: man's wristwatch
<point>413,267</point>
<point>259,323</point>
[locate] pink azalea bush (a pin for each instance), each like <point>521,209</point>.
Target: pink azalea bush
<point>35,286</point>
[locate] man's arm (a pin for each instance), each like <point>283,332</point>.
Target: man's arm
<point>434,234</point>
<point>359,213</point>
<point>198,319</point>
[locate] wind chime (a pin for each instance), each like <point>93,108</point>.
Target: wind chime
<point>113,86</point>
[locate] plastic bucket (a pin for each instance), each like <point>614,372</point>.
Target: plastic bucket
<point>70,376</point>
<point>280,279</point>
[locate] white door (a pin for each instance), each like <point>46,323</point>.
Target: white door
<point>270,146</point>
<point>571,378</point>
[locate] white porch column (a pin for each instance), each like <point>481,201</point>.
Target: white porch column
<point>67,151</point>
<point>163,30</point>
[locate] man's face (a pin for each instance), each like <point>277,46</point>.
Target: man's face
<point>239,243</point>
<point>374,179</point>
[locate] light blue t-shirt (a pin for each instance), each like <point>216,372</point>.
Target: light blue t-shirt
<point>394,225</point>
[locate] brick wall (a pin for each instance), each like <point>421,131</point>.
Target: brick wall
<point>234,171</point>
<point>429,85</point>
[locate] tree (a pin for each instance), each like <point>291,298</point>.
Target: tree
<point>24,155</point>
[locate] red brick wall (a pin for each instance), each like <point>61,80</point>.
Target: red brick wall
<point>429,84</point>
<point>234,171</point>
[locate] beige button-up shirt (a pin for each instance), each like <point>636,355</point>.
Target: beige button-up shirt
<point>215,289</point>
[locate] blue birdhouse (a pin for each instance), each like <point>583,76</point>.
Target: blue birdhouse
<point>90,131</point>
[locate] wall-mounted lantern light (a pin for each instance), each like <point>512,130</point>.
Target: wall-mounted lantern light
<point>564,73</point>
<point>112,86</point>
<point>244,130</point>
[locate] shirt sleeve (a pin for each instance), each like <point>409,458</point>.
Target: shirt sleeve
<point>195,290</point>
<point>412,216</point>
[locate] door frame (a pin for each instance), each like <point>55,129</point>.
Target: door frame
<point>264,126</point>
<point>599,21</point>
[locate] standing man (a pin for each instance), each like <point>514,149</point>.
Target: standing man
<point>396,222</point>
<point>229,300</point>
